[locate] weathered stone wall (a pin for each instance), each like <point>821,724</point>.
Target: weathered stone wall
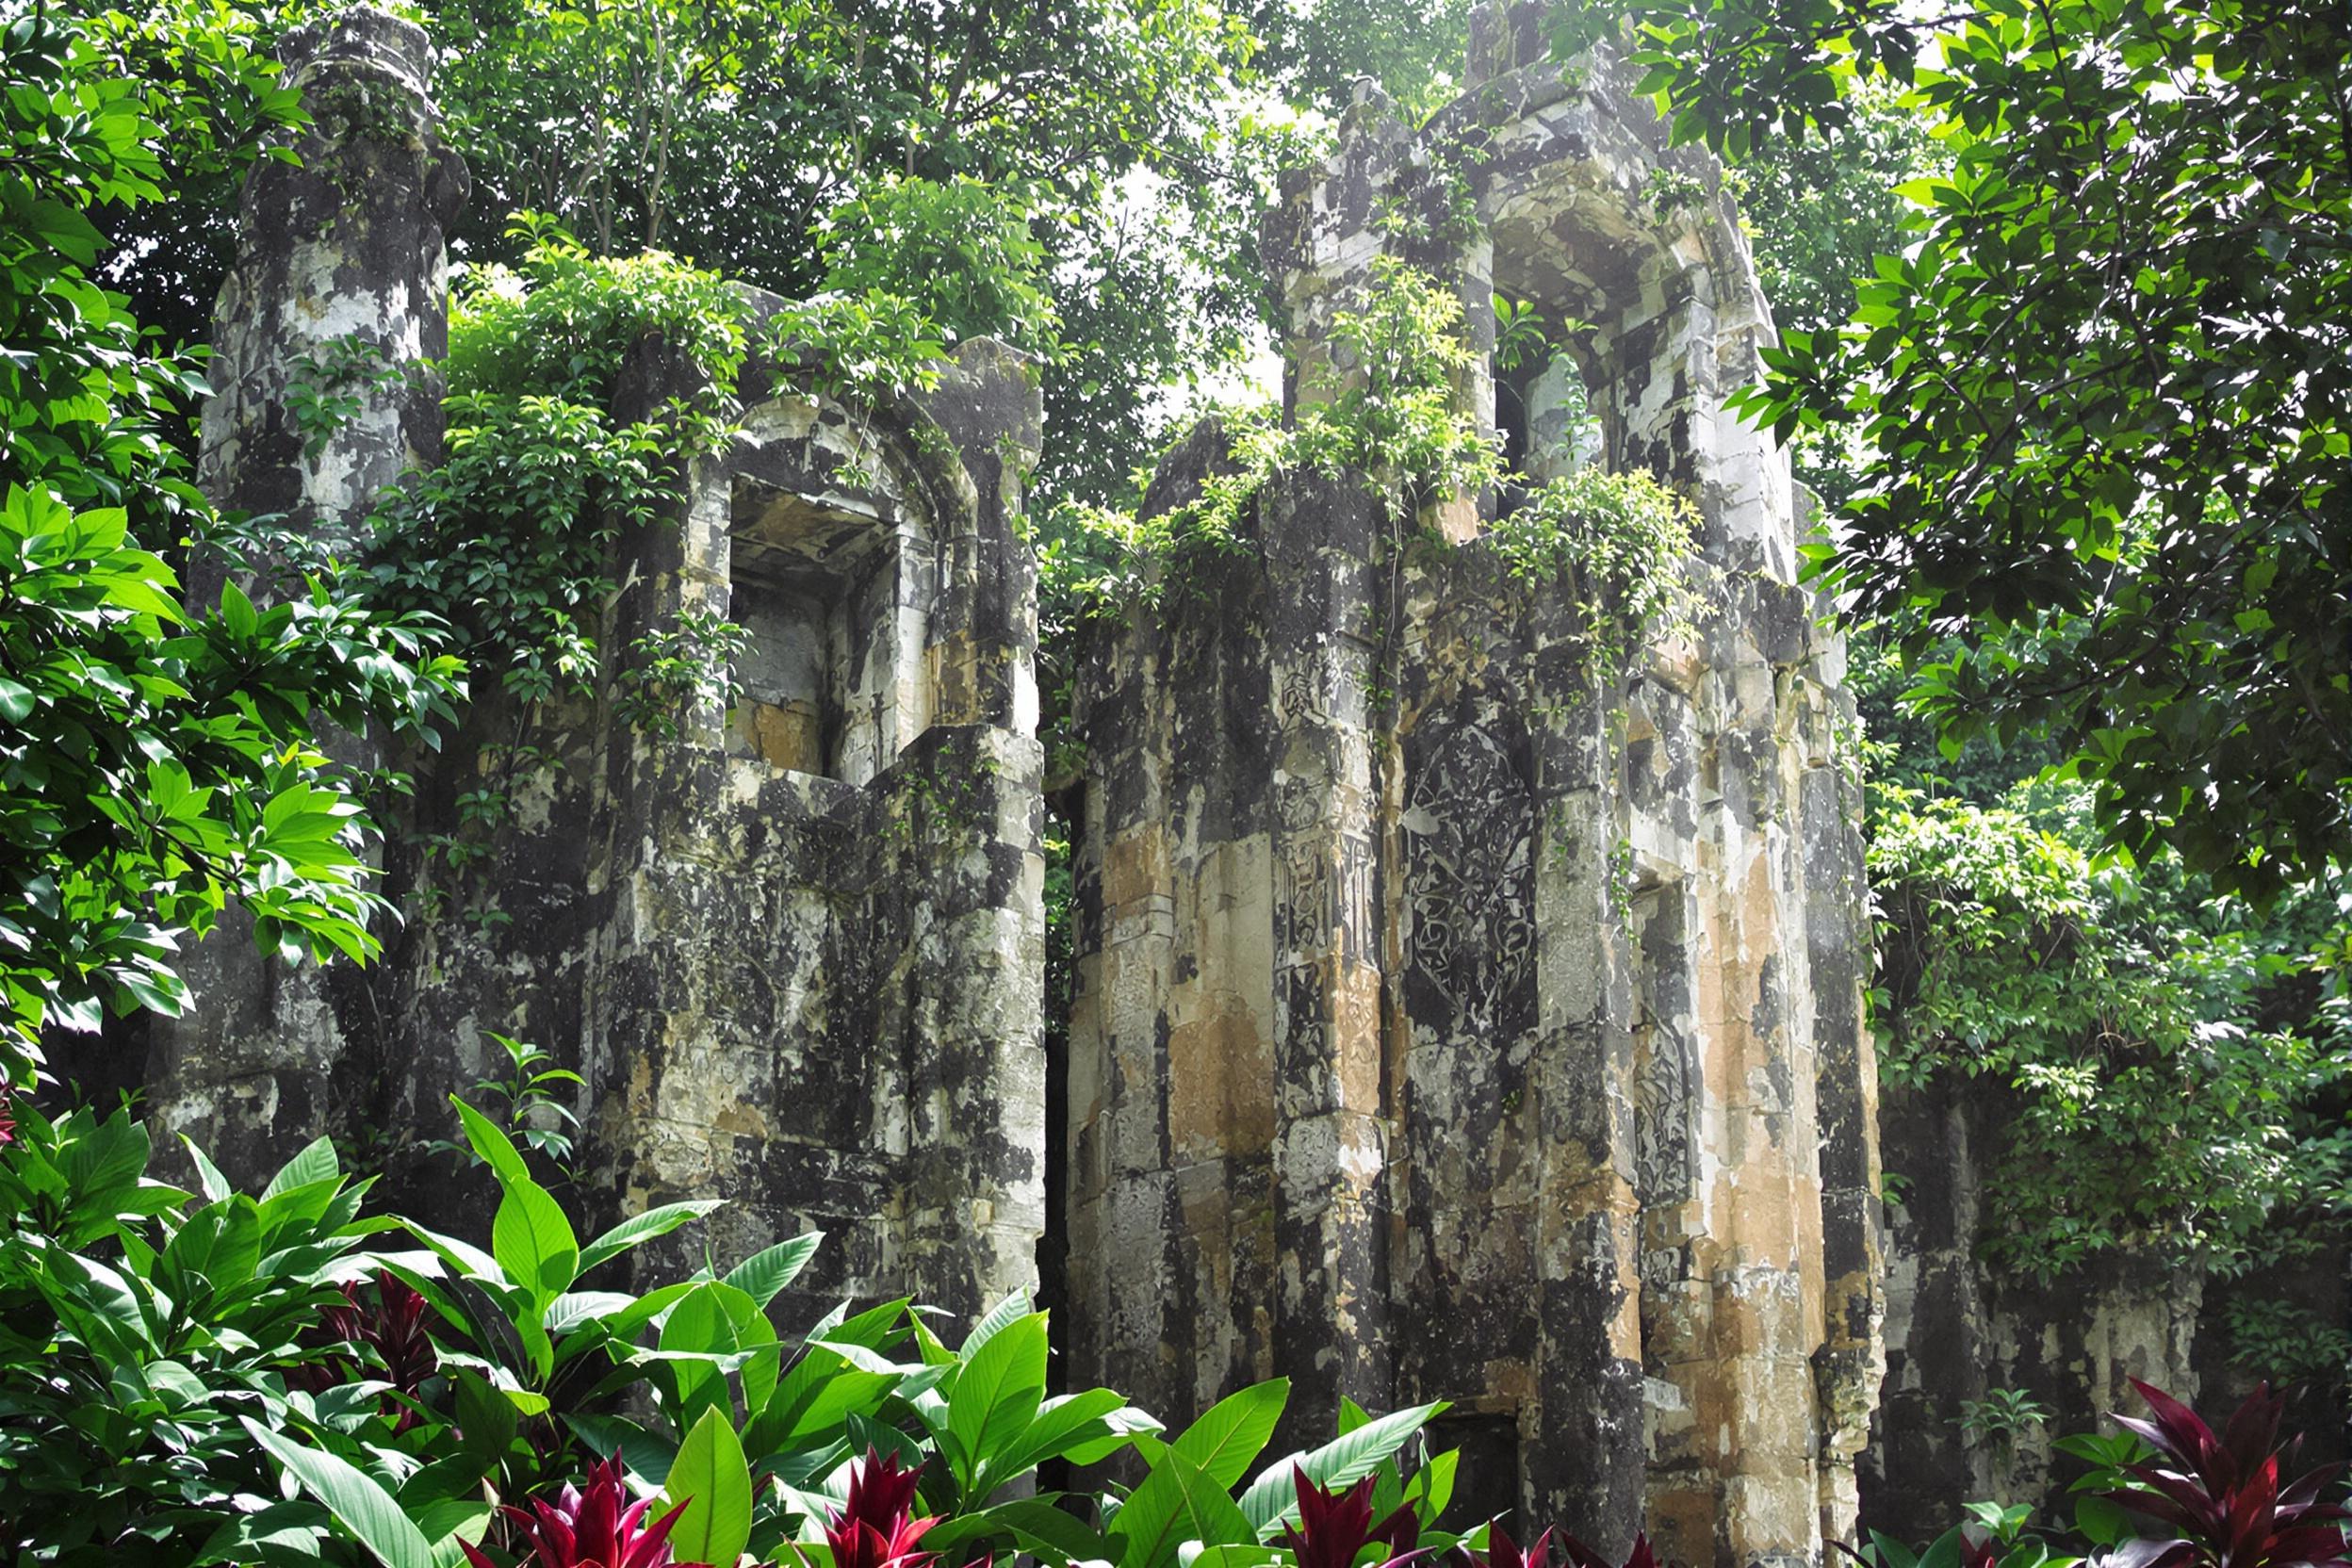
<point>795,950</point>
<point>1453,1024</point>
<point>1957,1330</point>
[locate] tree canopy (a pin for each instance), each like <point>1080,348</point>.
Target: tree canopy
<point>159,757</point>
<point>2100,401</point>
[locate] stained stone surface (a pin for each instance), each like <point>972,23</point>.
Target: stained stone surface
<point>1455,1024</point>
<point>345,248</point>
<point>1957,1330</point>
<point>796,951</point>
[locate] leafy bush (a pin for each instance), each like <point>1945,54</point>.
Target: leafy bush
<point>156,755</point>
<point>286,1379</point>
<point>508,539</point>
<point>2156,1097</point>
<point>959,250</point>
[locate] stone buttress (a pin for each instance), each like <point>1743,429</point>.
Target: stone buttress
<point>1455,1024</point>
<point>795,949</point>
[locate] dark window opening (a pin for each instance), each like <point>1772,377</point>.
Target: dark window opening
<point>831,681</point>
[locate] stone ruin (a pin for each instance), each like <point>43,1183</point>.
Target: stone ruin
<point>1451,1023</point>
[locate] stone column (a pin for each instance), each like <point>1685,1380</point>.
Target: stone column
<point>339,288</point>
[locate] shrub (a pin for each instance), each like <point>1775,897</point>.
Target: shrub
<point>287,1379</point>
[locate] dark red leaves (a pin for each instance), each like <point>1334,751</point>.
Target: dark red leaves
<point>392,1324</point>
<point>595,1527</point>
<point>1334,1526</point>
<point>877,1529</point>
<point>1581,1556</point>
<point>2220,1497</point>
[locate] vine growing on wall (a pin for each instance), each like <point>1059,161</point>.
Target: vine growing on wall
<point>509,539</point>
<point>1387,405</point>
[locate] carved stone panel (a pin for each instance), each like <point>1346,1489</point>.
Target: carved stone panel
<point>1469,826</point>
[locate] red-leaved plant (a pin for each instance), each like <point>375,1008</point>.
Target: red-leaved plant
<point>1581,1556</point>
<point>2221,1497</point>
<point>392,1325</point>
<point>1333,1527</point>
<point>878,1527</point>
<point>590,1527</point>
<point>1503,1552</point>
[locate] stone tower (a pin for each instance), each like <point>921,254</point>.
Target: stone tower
<point>1452,1024</point>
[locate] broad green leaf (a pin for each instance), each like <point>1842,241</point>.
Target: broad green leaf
<point>998,1391</point>
<point>712,1329</point>
<point>1059,1425</point>
<point>214,1186</point>
<point>711,1479</point>
<point>1892,1553</point>
<point>1273,1500</point>
<point>645,1227</point>
<point>356,1499</point>
<point>533,1241</point>
<point>1210,1517</point>
<point>1012,1309</point>
<point>764,1274</point>
<point>1222,1445</point>
<point>492,1143</point>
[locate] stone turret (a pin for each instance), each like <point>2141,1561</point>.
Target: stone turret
<point>1456,1021</point>
<point>337,291</point>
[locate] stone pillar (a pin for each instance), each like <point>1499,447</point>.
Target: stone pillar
<point>1325,543</point>
<point>340,291</point>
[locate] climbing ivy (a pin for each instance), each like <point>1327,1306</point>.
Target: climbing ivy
<point>1617,540</point>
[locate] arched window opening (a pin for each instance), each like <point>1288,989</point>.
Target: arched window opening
<point>833,680</point>
<point>1543,408</point>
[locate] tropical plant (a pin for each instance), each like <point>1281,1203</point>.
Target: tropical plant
<point>2225,1501</point>
<point>1334,1529</point>
<point>156,755</point>
<point>594,1524</point>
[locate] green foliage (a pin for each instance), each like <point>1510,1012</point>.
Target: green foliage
<point>560,324</point>
<point>2152,1100</point>
<point>866,348</point>
<point>2001,1417</point>
<point>156,763</point>
<point>1818,213</point>
<point>959,249</point>
<point>1388,403</point>
<point>531,1111</point>
<point>1620,541</point>
<point>2101,402</point>
<point>686,665</point>
<point>508,539</point>
<point>201,1379</point>
<point>137,1324</point>
<point>1317,52</point>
